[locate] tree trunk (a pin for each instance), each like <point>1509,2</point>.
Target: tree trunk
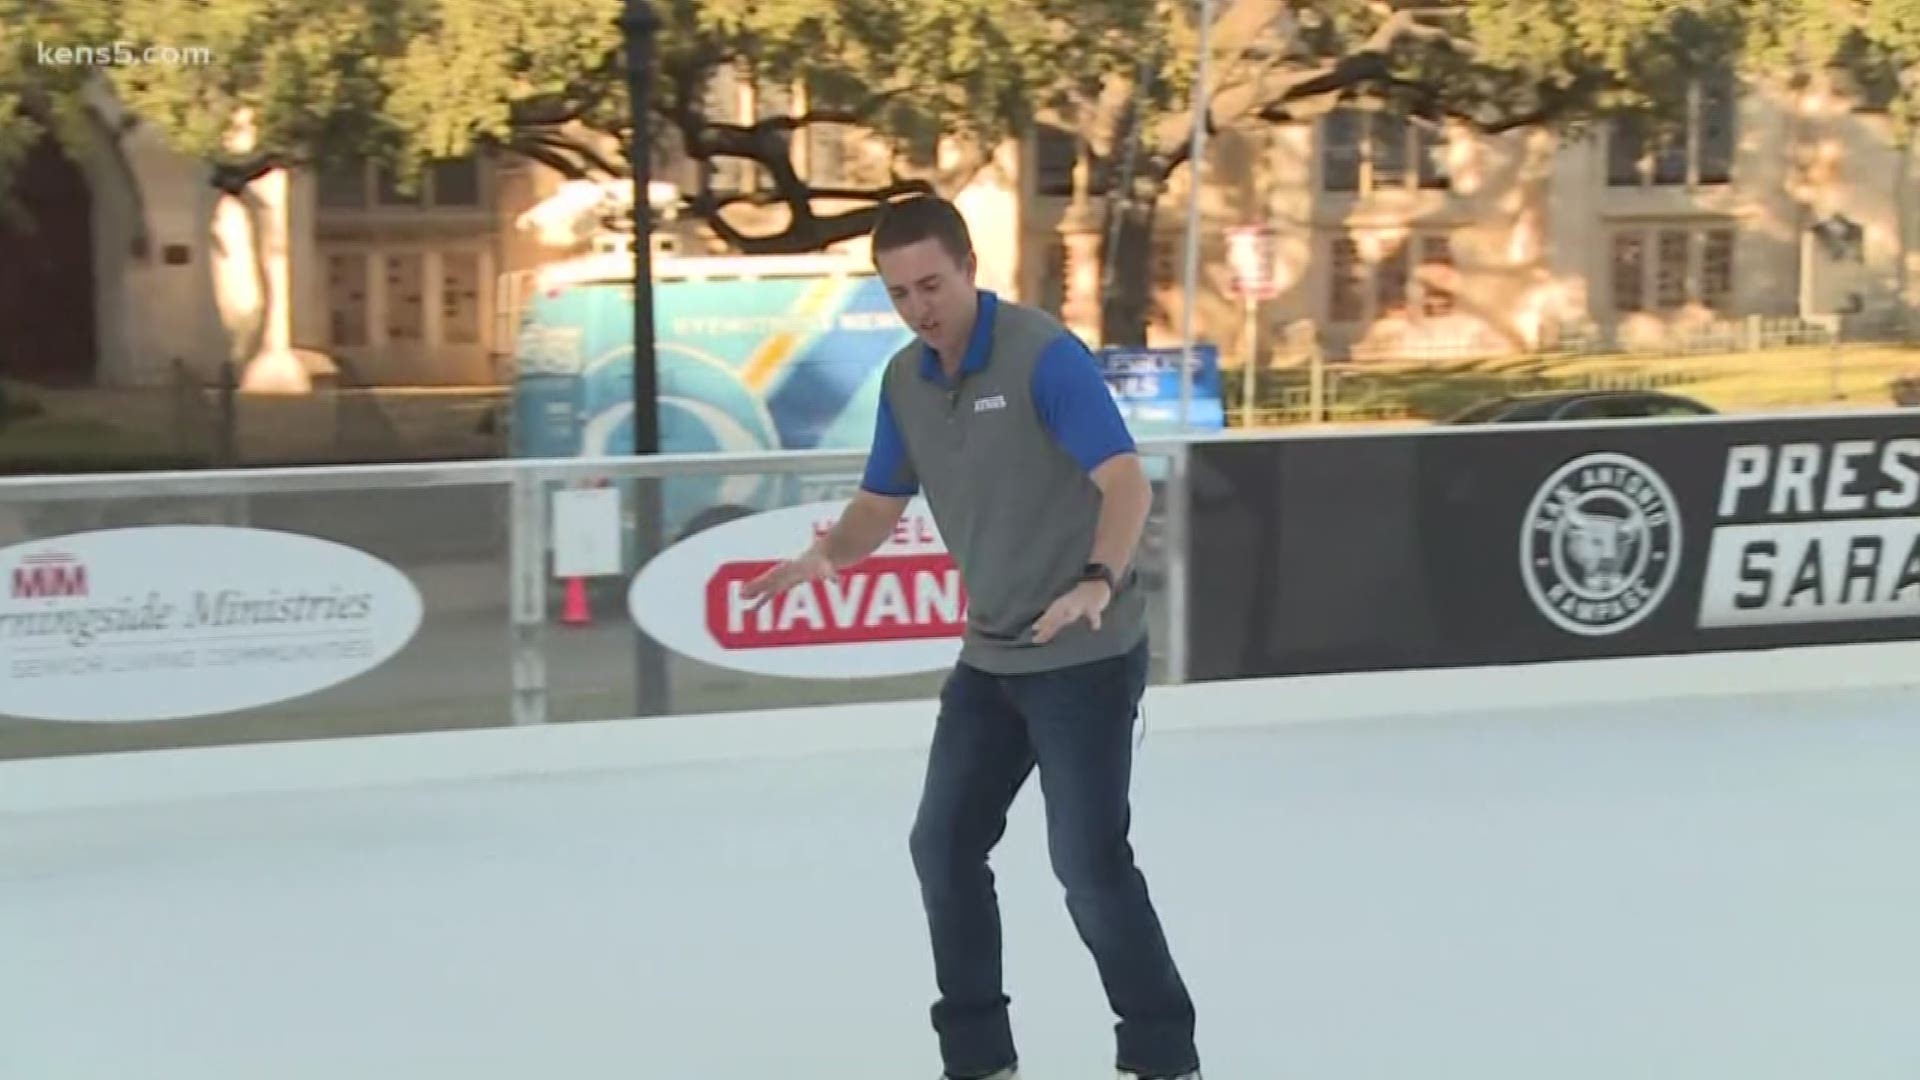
<point>1126,296</point>
<point>276,369</point>
<point>252,285</point>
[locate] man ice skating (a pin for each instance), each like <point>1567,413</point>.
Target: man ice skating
<point>1002,418</point>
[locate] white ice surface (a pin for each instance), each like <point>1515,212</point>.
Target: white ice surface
<point>1708,890</point>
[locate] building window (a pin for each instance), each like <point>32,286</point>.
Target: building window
<point>449,182</point>
<point>1391,288</point>
<point>413,284</point>
<point>460,297</point>
<point>1629,271</point>
<point>1670,270</point>
<point>1347,304</point>
<point>1717,105</point>
<point>1687,266</point>
<point>725,105</point>
<point>347,300</point>
<point>343,186</point>
<point>1699,153</point>
<point>1056,151</point>
<point>1670,159</point>
<point>456,183</point>
<point>387,189</point>
<point>1438,277</point>
<point>1393,281</point>
<point>1388,150</point>
<point>1431,149</point>
<point>922,148</point>
<point>1623,151</point>
<point>1716,271</point>
<point>406,304</point>
<point>1340,150</point>
<point>826,155</point>
<point>1364,151</point>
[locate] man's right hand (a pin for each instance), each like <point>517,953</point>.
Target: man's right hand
<point>810,565</point>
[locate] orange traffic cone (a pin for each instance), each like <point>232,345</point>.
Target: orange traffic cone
<point>574,612</point>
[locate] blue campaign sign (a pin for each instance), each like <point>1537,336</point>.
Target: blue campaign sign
<point>1146,384</point>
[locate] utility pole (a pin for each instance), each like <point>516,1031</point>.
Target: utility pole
<point>638,26</point>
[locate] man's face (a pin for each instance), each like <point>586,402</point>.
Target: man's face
<point>934,294</point>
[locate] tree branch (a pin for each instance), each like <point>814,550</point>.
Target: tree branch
<point>1370,64</point>
<point>821,232</point>
<point>232,177</point>
<point>714,204</point>
<point>769,144</point>
<point>1535,105</point>
<point>888,193</point>
<point>558,162</point>
<point>1168,162</point>
<point>589,158</point>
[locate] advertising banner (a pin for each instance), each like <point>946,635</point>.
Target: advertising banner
<point>1146,384</point>
<point>1502,546</point>
<point>902,611</point>
<point>168,622</point>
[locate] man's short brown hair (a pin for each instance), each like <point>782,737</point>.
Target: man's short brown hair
<point>923,217</point>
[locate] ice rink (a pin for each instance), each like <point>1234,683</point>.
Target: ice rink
<point>1702,890</point>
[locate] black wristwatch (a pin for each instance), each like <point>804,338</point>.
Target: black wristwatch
<point>1094,571</point>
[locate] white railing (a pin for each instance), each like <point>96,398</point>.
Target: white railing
<point>359,501</point>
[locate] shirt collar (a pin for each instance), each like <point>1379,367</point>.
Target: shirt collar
<point>979,344</point>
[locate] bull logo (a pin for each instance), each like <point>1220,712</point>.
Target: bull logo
<point>1600,544</point>
<point>1602,548</point>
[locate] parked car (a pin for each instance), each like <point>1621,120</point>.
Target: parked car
<point>1579,405</point>
<point>1906,390</point>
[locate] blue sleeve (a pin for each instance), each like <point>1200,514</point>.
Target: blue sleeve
<point>889,470</point>
<point>1075,404</point>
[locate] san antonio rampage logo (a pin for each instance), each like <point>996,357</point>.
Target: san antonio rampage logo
<point>1601,544</point>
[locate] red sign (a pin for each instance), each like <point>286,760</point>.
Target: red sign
<point>884,598</point>
<point>1253,255</point>
<point>900,611</point>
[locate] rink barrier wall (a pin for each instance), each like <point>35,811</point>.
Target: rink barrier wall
<point>1308,577</point>
<point>1508,544</point>
<point>103,781</point>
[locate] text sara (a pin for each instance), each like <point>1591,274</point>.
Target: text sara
<point>1858,569</point>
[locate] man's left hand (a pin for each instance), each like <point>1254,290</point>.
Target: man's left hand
<point>1087,601</point>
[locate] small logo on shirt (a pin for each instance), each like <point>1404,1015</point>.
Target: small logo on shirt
<point>997,401</point>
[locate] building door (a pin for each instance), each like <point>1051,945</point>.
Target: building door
<point>47,330</point>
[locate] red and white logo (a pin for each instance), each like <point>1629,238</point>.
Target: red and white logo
<point>49,575</point>
<point>900,611</point>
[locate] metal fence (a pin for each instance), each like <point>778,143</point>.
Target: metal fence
<point>189,422</point>
<point>1793,364</point>
<point>476,541</point>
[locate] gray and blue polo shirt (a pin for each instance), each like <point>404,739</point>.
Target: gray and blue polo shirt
<point>1003,453</point>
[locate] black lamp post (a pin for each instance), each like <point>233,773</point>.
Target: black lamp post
<point>638,25</point>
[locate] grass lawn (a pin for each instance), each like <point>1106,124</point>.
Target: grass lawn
<point>81,444</point>
<point>1768,380</point>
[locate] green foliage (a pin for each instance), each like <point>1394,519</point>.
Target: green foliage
<point>411,80</point>
<point>36,98</point>
<point>471,72</point>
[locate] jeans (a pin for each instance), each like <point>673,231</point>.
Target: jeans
<point>1076,725</point>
